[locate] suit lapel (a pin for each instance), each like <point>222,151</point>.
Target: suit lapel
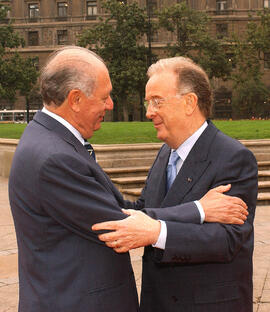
<point>193,168</point>
<point>60,130</point>
<point>55,126</point>
<point>160,177</point>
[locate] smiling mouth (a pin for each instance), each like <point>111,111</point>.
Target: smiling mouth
<point>156,125</point>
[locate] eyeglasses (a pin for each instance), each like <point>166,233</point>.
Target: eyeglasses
<point>156,103</point>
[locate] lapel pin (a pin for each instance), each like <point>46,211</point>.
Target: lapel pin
<point>189,179</point>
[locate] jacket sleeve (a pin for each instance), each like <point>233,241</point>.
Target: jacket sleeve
<point>215,242</point>
<point>186,212</point>
<point>73,195</point>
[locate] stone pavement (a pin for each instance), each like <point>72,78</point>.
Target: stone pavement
<point>9,269</point>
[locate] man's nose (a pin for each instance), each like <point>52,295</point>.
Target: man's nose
<point>150,113</point>
<point>109,104</point>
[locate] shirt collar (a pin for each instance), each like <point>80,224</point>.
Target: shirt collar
<point>65,123</point>
<point>184,149</point>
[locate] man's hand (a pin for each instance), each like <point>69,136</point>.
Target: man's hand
<point>137,230</point>
<point>223,208</point>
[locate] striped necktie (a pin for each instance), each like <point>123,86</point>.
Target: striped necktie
<point>90,149</point>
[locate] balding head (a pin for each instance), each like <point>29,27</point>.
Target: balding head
<point>67,69</point>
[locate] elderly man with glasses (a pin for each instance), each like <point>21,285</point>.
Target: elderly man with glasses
<point>190,263</point>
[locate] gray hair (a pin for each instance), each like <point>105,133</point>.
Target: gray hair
<point>67,69</point>
<point>191,78</point>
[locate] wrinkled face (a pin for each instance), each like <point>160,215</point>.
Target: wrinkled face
<point>93,108</point>
<point>169,117</point>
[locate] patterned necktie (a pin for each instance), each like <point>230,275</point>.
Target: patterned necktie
<point>171,169</point>
<point>90,149</point>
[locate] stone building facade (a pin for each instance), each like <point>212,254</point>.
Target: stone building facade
<point>48,24</point>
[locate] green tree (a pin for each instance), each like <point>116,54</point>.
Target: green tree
<point>250,94</point>
<point>258,34</point>
<point>16,73</point>
<point>193,39</point>
<point>116,38</point>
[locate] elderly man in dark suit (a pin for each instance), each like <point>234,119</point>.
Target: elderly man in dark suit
<point>190,264</point>
<point>57,191</point>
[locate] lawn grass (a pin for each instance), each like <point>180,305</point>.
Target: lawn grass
<point>144,132</point>
<point>245,129</point>
<point>11,131</point>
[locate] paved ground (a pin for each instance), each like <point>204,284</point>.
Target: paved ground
<point>9,273</point>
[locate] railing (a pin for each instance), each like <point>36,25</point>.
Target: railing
<point>19,116</point>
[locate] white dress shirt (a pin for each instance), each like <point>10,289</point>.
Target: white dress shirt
<point>65,123</point>
<point>183,151</point>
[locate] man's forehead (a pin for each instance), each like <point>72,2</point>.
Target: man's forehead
<point>162,81</point>
<point>162,75</point>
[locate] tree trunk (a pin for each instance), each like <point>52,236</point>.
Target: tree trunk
<point>125,112</point>
<point>124,105</point>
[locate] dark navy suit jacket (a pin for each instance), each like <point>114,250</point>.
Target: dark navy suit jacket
<point>57,191</point>
<point>204,267</point>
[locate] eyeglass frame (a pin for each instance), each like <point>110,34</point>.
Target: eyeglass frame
<point>155,102</point>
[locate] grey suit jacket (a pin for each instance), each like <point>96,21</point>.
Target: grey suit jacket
<point>57,191</point>
<point>204,267</point>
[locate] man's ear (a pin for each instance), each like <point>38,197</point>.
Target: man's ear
<point>191,103</point>
<point>74,99</point>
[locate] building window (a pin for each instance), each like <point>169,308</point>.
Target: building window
<point>266,4</point>
<point>221,6</point>
<point>151,6</point>
<point>62,37</point>
<point>33,38</point>
<point>33,11</point>
<point>266,60</point>
<point>221,30</point>
<point>91,9</point>
<point>154,36</point>
<point>5,12</point>
<point>62,8</point>
<point>36,62</point>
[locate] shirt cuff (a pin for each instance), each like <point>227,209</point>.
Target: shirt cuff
<point>161,242</point>
<point>201,211</point>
